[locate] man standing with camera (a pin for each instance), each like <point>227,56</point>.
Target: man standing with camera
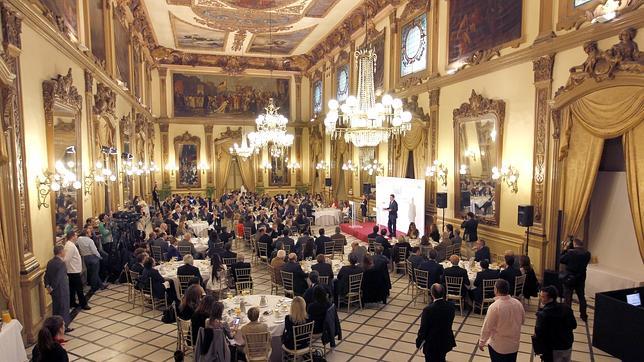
<point>576,260</point>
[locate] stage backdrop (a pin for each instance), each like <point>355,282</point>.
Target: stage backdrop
<point>410,195</point>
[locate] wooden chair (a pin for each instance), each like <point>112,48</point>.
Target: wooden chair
<point>228,262</point>
<point>184,332</point>
<point>247,233</point>
<point>411,285</point>
<point>329,249</point>
<point>242,275</point>
<point>454,290</point>
<point>401,264</point>
<point>157,254</point>
<point>424,250</point>
<point>263,252</point>
<point>184,250</point>
<point>355,290</point>
<point>338,247</point>
<point>275,285</point>
<point>323,280</point>
<point>184,283</point>
<point>422,284</point>
<point>148,299</point>
<point>134,279</point>
<point>287,284</point>
<point>253,248</point>
<point>245,285</point>
<point>303,334</point>
<point>488,290</point>
<point>258,346</point>
<point>128,282</point>
<point>519,282</point>
<point>372,246</point>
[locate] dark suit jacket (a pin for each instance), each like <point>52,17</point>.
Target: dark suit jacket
<point>162,244</point>
<point>576,261</point>
<point>324,269</point>
<point>299,277</point>
<point>436,328</point>
<point>266,239</point>
<point>188,269</point>
<point>385,245</point>
<point>238,265</point>
<point>158,289</point>
<point>342,286</point>
<point>486,274</point>
<point>319,243</point>
<point>508,275</point>
<point>470,228</point>
<point>457,271</point>
<point>393,210</point>
<point>435,271</point>
<point>56,277</point>
<point>555,323</point>
<point>482,254</point>
<point>228,254</point>
<point>380,262</point>
<point>136,267</point>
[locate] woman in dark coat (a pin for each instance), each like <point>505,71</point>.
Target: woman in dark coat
<point>376,283</point>
<point>531,286</point>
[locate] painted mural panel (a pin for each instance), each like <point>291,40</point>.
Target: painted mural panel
<point>67,10</point>
<point>319,8</point>
<point>198,95</point>
<point>283,43</point>
<point>188,36</point>
<point>188,172</point>
<point>97,29</point>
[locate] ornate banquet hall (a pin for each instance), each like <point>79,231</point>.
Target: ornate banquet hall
<point>321,180</point>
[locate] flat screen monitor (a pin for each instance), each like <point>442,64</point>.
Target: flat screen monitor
<point>634,299</point>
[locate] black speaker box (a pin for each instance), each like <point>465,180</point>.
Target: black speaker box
<point>441,200</point>
<point>327,182</point>
<point>525,215</point>
<point>465,199</point>
<point>366,189</point>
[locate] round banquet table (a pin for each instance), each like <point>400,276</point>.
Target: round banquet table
<point>471,270</point>
<point>169,271</point>
<point>327,216</point>
<point>275,322</point>
<point>199,228</point>
<point>335,264</point>
<point>201,244</point>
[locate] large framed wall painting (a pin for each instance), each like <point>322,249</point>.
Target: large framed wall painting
<point>240,97</point>
<point>413,50</point>
<point>477,25</point>
<point>97,29</point>
<point>67,10</point>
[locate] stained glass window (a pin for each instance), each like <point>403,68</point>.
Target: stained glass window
<point>414,46</point>
<point>343,83</point>
<point>317,97</point>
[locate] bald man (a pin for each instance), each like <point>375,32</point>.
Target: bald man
<point>299,276</point>
<point>457,271</point>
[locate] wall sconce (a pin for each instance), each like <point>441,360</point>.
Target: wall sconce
<point>104,173</point>
<point>509,175</point>
<point>350,167</point>
<point>322,165</point>
<point>265,166</point>
<point>439,170</point>
<point>203,166</point>
<point>44,187</point>
<point>374,167</point>
<point>172,168</point>
<point>462,170</point>
<point>63,177</point>
<point>293,166</point>
<point>471,153</point>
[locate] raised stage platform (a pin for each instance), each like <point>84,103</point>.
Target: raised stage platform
<point>362,229</point>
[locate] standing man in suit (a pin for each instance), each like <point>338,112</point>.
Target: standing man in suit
<point>58,286</point>
<point>435,334</point>
<point>576,260</point>
<point>470,228</point>
<point>393,216</point>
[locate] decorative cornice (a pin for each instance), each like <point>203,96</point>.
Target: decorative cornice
<point>413,7</point>
<point>411,104</point>
<point>104,100</point>
<point>478,106</point>
<point>187,138</point>
<point>11,27</point>
<point>229,133</point>
<point>602,65</point>
<point>89,81</point>
<point>542,68</point>
<point>60,90</point>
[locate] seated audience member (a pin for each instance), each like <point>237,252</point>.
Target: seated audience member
<point>200,315</point>
<point>514,264</point>
<point>375,233</point>
<point>49,343</point>
<point>457,271</point>
<point>160,242</point>
<point>240,264</point>
<point>338,236</point>
<point>296,317</point>
<point>213,239</point>
<point>190,301</point>
<point>441,248</point>
<point>531,286</point>
<point>434,269</point>
<point>456,239</point>
<point>359,251</point>
<point>227,251</point>
<point>415,258</point>
<point>412,231</point>
<point>138,266</point>
<point>317,308</point>
<point>376,282</point>
<point>308,248</point>
<point>485,274</point>
<point>482,251</point>
<point>185,242</point>
<point>265,240</point>
<point>315,281</point>
<point>218,280</point>
<point>424,241</point>
<point>510,273</point>
<point>224,235</point>
<point>434,234</point>
<point>401,243</point>
<point>189,269</point>
<point>323,268</point>
<point>277,263</point>
<point>320,241</point>
<point>285,241</point>
<point>151,276</point>
<point>299,245</point>
<point>382,240</point>
<point>181,228</point>
<point>215,326</point>
<point>299,276</point>
<point>253,326</point>
<point>341,284</point>
<point>173,252</point>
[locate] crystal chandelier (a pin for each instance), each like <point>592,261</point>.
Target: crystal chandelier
<point>245,150</point>
<point>361,120</point>
<point>374,167</point>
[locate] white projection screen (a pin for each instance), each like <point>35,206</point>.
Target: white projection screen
<point>410,195</point>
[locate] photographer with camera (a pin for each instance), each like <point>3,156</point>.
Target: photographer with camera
<point>573,278</point>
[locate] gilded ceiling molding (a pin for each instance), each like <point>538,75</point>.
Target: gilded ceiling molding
<point>413,7</point>
<point>480,56</point>
<point>104,100</point>
<point>229,133</point>
<point>602,65</point>
<point>571,17</point>
<point>60,90</point>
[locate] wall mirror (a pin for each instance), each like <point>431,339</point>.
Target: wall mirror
<point>186,150</point>
<point>478,137</point>
<point>279,172</point>
<point>62,115</point>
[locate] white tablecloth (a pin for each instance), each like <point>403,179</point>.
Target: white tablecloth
<point>201,244</point>
<point>471,271</point>
<point>327,216</point>
<point>169,271</point>
<point>200,228</point>
<point>602,278</point>
<point>274,303</point>
<point>11,345</point>
<point>335,264</point>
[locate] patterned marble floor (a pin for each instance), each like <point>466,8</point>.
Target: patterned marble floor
<point>113,330</point>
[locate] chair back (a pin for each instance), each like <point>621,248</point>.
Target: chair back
<point>410,271</point>
<point>184,250</point>
<point>329,248</point>
<point>263,250</point>
<point>273,274</point>
<point>242,274</point>
<point>184,283</point>
<point>402,254</point>
<point>157,254</point>
<point>257,346</point>
<point>126,270</point>
<point>184,329</point>
<point>338,247</point>
<point>424,250</point>
<point>457,249</point>
<point>287,282</point>
<point>355,283</point>
<point>219,245</point>
<point>453,285</point>
<point>247,233</point>
<point>245,285</point>
<point>229,261</point>
<point>488,288</point>
<point>146,286</point>
<point>323,279</point>
<point>134,277</point>
<point>372,245</point>
<point>422,278</point>
<point>287,248</point>
<point>303,333</point>
<point>519,282</point>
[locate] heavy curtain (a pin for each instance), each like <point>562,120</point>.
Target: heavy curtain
<point>247,170</point>
<point>223,166</point>
<point>410,142</point>
<point>586,122</point>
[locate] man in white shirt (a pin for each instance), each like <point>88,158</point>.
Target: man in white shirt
<point>92,259</point>
<point>501,329</point>
<point>74,266</point>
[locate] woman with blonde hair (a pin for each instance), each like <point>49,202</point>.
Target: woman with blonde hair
<point>296,317</point>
